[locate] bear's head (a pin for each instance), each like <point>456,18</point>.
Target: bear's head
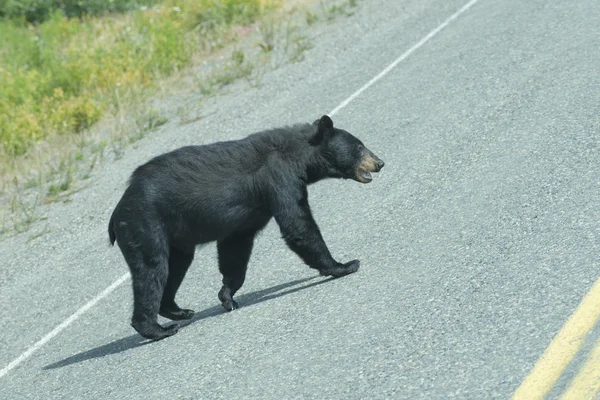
<point>345,155</point>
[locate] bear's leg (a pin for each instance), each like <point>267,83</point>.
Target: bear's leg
<point>301,233</point>
<point>234,254</point>
<point>148,276</point>
<point>179,262</point>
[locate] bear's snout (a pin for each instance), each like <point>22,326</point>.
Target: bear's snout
<point>369,163</point>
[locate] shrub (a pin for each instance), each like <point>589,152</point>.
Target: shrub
<point>37,11</point>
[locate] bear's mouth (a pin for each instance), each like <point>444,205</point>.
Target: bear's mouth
<point>363,176</point>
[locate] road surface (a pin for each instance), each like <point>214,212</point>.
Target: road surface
<point>478,240</point>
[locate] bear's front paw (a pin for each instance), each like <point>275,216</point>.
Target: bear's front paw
<point>341,269</point>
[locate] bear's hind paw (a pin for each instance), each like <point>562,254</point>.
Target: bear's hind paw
<point>154,331</point>
<point>228,303</point>
<point>177,315</point>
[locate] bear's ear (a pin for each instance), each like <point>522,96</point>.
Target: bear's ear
<point>324,130</point>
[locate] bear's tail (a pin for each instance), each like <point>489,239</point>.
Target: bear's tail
<point>111,230</point>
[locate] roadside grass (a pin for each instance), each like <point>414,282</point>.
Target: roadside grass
<point>82,92</point>
<point>61,76</point>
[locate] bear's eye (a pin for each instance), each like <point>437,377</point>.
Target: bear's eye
<point>361,148</point>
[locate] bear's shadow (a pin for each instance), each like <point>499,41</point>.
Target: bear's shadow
<point>136,340</point>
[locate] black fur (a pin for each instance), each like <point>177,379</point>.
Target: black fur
<point>227,192</point>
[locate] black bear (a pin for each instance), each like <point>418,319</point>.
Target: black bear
<point>227,192</point>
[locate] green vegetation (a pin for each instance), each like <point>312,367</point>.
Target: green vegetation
<point>60,76</point>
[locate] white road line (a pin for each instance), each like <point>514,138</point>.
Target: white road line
<point>29,352</point>
<point>403,56</point>
<point>63,325</point>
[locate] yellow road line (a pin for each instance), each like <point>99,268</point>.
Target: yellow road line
<point>562,349</point>
<point>587,382</point>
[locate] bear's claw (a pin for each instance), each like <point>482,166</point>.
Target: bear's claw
<point>230,305</point>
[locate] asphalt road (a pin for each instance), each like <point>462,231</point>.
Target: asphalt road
<point>478,239</point>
